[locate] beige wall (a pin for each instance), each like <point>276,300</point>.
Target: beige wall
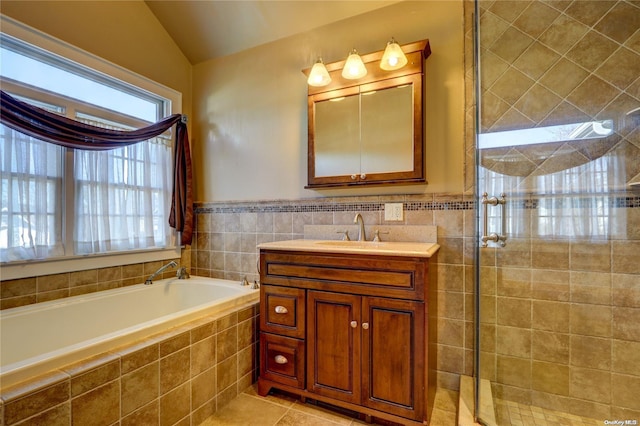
<point>248,126</point>
<point>250,132</point>
<point>123,32</point>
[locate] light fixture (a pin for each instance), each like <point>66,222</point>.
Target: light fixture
<point>319,76</point>
<point>354,67</point>
<point>393,57</point>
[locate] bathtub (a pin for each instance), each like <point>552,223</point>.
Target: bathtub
<point>38,338</point>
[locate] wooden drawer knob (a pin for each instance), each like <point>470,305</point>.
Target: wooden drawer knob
<point>281,359</point>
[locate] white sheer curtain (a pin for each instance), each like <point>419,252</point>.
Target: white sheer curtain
<point>122,196</point>
<point>581,204</point>
<point>31,207</point>
<point>574,203</point>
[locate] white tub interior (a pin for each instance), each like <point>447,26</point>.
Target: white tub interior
<point>37,338</point>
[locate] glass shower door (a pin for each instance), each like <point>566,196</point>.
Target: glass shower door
<point>558,156</point>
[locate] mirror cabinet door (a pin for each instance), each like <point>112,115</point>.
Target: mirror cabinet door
<point>337,136</point>
<point>367,134</point>
<point>387,130</point>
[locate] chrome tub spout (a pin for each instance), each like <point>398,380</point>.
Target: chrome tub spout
<point>171,264</point>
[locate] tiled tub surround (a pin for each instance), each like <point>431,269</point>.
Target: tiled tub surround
<point>536,270</point>
<point>181,376</point>
<point>36,289</point>
<point>61,332</point>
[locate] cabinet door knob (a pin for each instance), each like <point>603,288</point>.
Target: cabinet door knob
<point>365,325</point>
<point>281,359</point>
<point>354,324</point>
<point>281,309</point>
<point>363,176</point>
<point>353,177</point>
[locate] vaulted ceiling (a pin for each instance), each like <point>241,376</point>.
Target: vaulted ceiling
<point>205,30</point>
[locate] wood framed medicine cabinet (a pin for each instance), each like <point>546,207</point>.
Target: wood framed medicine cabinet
<point>368,131</point>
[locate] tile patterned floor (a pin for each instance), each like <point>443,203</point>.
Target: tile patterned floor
<point>510,413</point>
<point>278,409</point>
<point>250,409</point>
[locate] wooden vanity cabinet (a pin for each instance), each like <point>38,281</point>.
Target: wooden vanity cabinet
<point>365,339</point>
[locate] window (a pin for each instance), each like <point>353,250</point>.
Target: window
<point>61,204</point>
<point>31,178</point>
<point>122,196</point>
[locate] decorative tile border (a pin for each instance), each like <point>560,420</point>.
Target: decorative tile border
<point>455,203</point>
<point>449,205</point>
<point>580,201</point>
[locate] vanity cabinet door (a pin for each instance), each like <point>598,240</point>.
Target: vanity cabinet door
<point>393,356</point>
<point>333,345</point>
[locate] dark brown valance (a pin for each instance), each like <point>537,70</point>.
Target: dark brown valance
<point>49,127</point>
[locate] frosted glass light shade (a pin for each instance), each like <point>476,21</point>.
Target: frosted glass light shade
<point>319,76</point>
<point>393,57</point>
<point>354,67</point>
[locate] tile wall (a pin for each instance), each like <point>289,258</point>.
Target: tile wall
<point>559,316</point>
<point>25,291</point>
<point>560,62</point>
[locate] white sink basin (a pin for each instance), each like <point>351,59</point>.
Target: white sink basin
<point>342,243</point>
<point>362,247</point>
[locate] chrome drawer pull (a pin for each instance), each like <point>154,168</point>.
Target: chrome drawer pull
<point>281,360</point>
<point>281,309</point>
<point>354,324</point>
<point>365,325</point>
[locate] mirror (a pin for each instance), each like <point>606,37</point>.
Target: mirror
<point>337,136</point>
<point>387,130</point>
<point>371,131</point>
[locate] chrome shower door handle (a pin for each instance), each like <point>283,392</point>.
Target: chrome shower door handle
<point>500,237</point>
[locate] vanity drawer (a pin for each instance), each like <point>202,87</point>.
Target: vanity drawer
<point>282,311</point>
<point>388,276</point>
<point>282,359</point>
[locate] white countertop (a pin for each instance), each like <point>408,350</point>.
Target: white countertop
<point>387,248</point>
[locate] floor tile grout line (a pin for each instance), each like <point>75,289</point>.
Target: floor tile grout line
<point>292,407</point>
<point>318,417</point>
<point>283,416</point>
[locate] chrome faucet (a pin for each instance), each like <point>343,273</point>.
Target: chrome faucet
<point>182,273</point>
<point>171,264</point>
<point>361,233</point>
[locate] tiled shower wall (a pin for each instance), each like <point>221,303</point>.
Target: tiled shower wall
<point>561,62</point>
<point>560,304</point>
<point>559,315</point>
<point>227,234</point>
